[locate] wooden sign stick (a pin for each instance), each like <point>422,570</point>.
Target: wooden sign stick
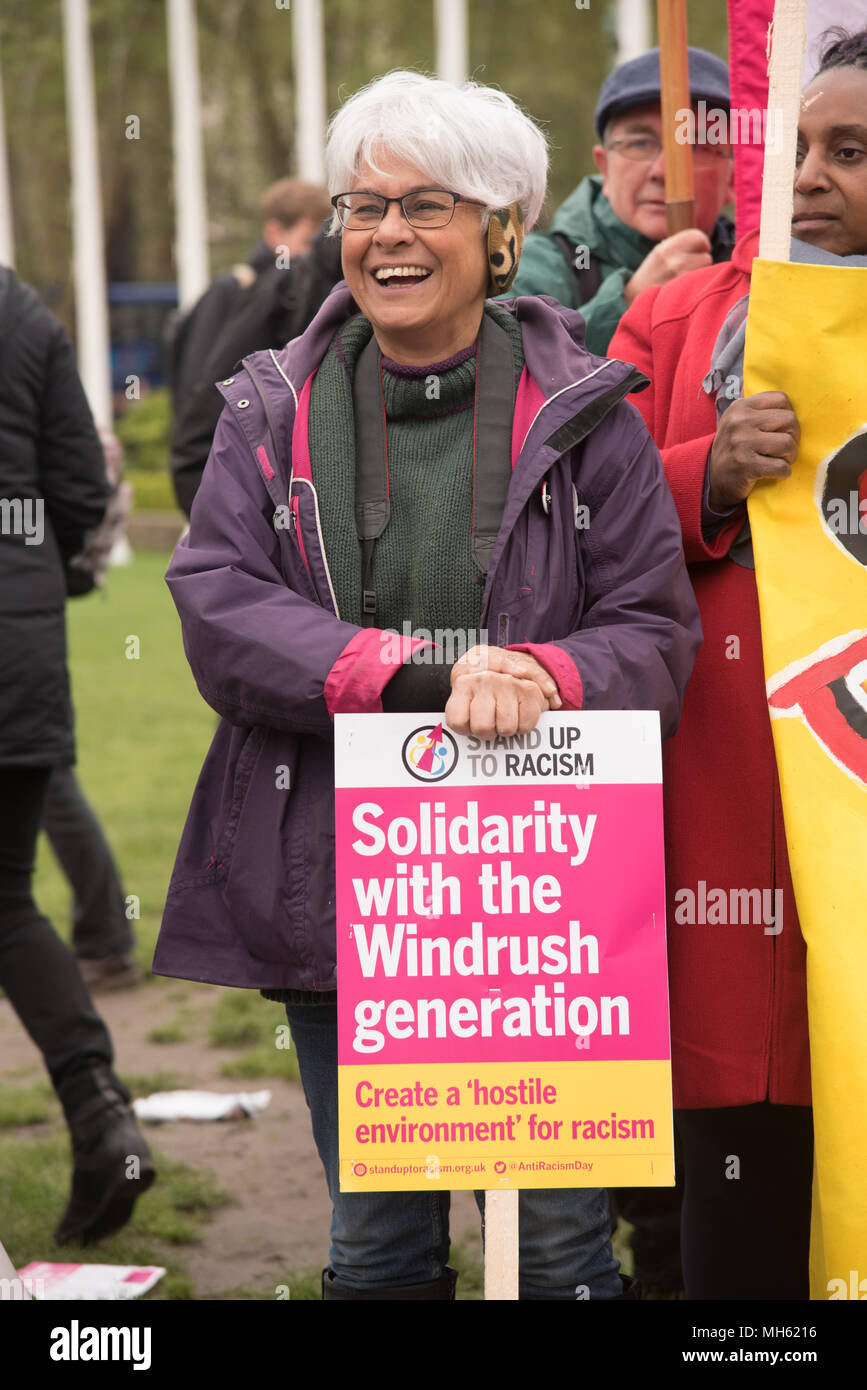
<point>788,37</point>
<point>674,85</point>
<point>501,1244</point>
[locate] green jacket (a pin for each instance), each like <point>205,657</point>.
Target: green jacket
<point>586,219</point>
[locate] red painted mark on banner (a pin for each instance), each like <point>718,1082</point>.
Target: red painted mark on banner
<point>828,690</point>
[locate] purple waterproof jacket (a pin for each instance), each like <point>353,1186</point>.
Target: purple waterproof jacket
<point>587,573</point>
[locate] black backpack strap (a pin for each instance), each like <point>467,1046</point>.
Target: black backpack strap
<point>589,276</point>
<point>372,505</point>
<point>492,437</point>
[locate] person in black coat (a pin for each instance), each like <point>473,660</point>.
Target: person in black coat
<point>276,308</point>
<point>53,490</point>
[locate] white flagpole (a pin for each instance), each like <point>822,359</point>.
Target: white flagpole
<point>452,37</point>
<point>191,232</point>
<point>633,29</point>
<point>308,57</point>
<point>788,41</point>
<point>91,298</point>
<point>7,233</point>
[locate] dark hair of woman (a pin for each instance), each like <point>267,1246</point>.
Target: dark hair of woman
<point>844,50</point>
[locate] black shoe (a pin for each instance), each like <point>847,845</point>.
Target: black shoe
<point>112,1162</point>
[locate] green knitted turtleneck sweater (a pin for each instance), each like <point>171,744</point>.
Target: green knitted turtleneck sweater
<point>424,572</point>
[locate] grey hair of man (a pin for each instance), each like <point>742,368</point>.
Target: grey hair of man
<point>472,140</point>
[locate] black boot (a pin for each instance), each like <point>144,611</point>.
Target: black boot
<point>441,1289</point>
<point>112,1162</point>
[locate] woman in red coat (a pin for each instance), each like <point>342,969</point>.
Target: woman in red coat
<point>737,957</point>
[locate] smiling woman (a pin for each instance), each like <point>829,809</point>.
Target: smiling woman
<point>418,206</point>
<point>427,450</point>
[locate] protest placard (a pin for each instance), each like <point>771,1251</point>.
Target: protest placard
<point>502,987</point>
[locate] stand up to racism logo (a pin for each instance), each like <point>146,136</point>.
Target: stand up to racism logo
<point>430,753</point>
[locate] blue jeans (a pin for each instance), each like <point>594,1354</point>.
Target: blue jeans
<point>385,1239</point>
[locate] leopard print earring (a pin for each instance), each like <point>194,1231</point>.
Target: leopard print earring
<point>505,239</point>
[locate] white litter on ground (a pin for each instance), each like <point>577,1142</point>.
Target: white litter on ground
<point>200,1105</point>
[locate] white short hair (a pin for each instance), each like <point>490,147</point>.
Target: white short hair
<point>473,140</point>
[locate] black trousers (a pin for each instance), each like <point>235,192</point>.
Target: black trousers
<point>38,972</point>
<point>99,924</point>
<point>654,1213</point>
<point>745,1220</point>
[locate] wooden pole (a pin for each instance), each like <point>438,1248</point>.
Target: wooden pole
<point>674,83</point>
<point>788,42</point>
<point>501,1244</point>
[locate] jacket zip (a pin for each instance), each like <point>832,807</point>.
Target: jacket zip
<point>306,482</point>
<point>263,396</point>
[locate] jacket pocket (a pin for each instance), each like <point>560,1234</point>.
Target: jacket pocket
<point>267,796</point>
<point>215,809</point>
<point>240,785</point>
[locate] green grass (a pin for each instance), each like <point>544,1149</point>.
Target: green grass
<point>34,1187</point>
<point>153,491</point>
<point>299,1286</point>
<point>169,1033</point>
<point>259,1063</point>
<point>466,1257</point>
<point>148,1083</point>
<point>243,1019</point>
<point>27,1105</point>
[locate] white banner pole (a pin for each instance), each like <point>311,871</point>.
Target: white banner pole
<point>308,58</point>
<point>91,296</point>
<point>788,39</point>
<point>501,1244</point>
<point>191,229</point>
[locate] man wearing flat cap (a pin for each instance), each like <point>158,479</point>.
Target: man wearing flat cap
<point>608,240</point>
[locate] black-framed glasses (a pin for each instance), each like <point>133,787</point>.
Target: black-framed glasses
<point>425,207</point>
<point>646,149</point>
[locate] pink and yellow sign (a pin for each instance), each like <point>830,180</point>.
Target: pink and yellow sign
<point>502,985</point>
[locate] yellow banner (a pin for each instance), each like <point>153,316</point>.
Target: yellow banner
<point>497,1124</point>
<point>807,336</point>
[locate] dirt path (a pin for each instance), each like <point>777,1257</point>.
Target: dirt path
<point>279,1222</point>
